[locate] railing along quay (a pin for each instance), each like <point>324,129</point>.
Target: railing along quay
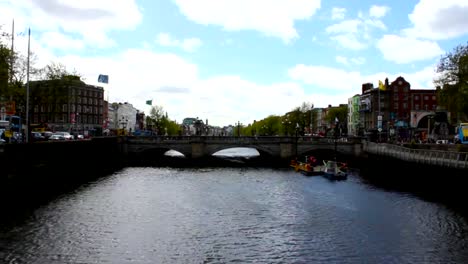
<point>452,159</point>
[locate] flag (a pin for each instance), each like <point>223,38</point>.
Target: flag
<point>103,78</point>
<point>381,86</point>
<point>149,102</point>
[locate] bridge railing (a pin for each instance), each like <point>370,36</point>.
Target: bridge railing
<point>246,139</point>
<point>452,159</point>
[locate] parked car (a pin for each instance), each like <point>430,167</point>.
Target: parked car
<point>66,135</point>
<point>37,136</point>
<point>47,134</point>
<point>56,137</point>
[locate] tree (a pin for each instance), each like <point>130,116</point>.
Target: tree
<point>56,70</point>
<point>452,83</point>
<point>4,70</point>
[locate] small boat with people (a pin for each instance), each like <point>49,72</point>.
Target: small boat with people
<point>308,167</point>
<point>335,170</point>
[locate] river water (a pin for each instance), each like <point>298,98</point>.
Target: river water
<point>235,215</point>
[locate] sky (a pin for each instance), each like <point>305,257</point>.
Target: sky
<point>230,61</point>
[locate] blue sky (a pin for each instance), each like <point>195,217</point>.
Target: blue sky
<point>239,60</point>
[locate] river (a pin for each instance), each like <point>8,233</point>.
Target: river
<point>235,215</point>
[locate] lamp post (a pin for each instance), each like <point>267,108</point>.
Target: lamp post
<point>297,131</point>
<point>429,127</point>
<point>311,119</point>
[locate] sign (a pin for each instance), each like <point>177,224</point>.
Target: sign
<point>9,107</point>
<point>2,113</point>
<point>380,129</point>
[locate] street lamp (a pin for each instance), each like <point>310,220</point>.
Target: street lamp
<point>429,127</point>
<point>297,131</point>
<point>311,119</point>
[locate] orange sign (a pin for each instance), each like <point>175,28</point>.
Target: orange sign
<point>9,107</point>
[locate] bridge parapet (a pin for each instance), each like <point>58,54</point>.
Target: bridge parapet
<point>451,159</point>
<point>276,146</point>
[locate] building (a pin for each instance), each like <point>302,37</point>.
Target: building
<point>353,116</point>
<point>389,110</point>
<point>67,104</point>
<point>122,118</point>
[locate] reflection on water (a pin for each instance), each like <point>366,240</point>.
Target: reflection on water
<point>164,215</point>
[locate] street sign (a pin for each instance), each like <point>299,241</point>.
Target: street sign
<point>380,129</point>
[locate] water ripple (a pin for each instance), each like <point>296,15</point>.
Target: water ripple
<point>162,215</point>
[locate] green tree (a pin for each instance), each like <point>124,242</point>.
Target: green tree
<point>340,113</point>
<point>55,71</point>
<point>4,71</point>
<point>452,82</point>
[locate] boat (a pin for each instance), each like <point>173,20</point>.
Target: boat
<point>307,167</point>
<point>334,170</point>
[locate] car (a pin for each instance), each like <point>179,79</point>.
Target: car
<point>56,137</point>
<point>37,136</point>
<point>66,135</point>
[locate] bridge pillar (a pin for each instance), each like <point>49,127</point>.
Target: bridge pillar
<point>287,150</point>
<point>198,149</point>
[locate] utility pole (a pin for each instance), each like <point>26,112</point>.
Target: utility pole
<point>12,57</point>
<point>27,90</point>
<point>379,117</point>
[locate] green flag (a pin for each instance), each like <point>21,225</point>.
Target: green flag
<point>149,102</point>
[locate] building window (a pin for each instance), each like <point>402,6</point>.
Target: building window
<point>426,97</point>
<point>433,97</point>
<point>405,106</point>
<point>416,107</point>
<point>425,107</point>
<point>416,97</point>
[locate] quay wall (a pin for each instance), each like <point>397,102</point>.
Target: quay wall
<point>31,172</point>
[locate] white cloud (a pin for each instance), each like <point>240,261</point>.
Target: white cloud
<point>335,86</point>
<point>189,45</point>
<point>358,60</point>
<point>378,11</point>
<point>347,26</point>
<point>436,20</point>
<point>325,77</point>
<point>338,13</point>
<point>405,50</point>
<point>174,83</point>
<point>59,41</point>
<point>349,41</point>
<point>356,33</point>
<point>272,18</point>
<point>349,61</point>
<point>342,60</point>
<point>91,20</point>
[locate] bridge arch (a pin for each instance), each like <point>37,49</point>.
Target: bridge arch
<point>262,150</point>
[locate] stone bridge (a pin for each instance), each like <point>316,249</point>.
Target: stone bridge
<point>274,146</point>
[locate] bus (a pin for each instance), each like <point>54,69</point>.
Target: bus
<point>462,133</point>
<point>11,127</point>
<point>14,122</point>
